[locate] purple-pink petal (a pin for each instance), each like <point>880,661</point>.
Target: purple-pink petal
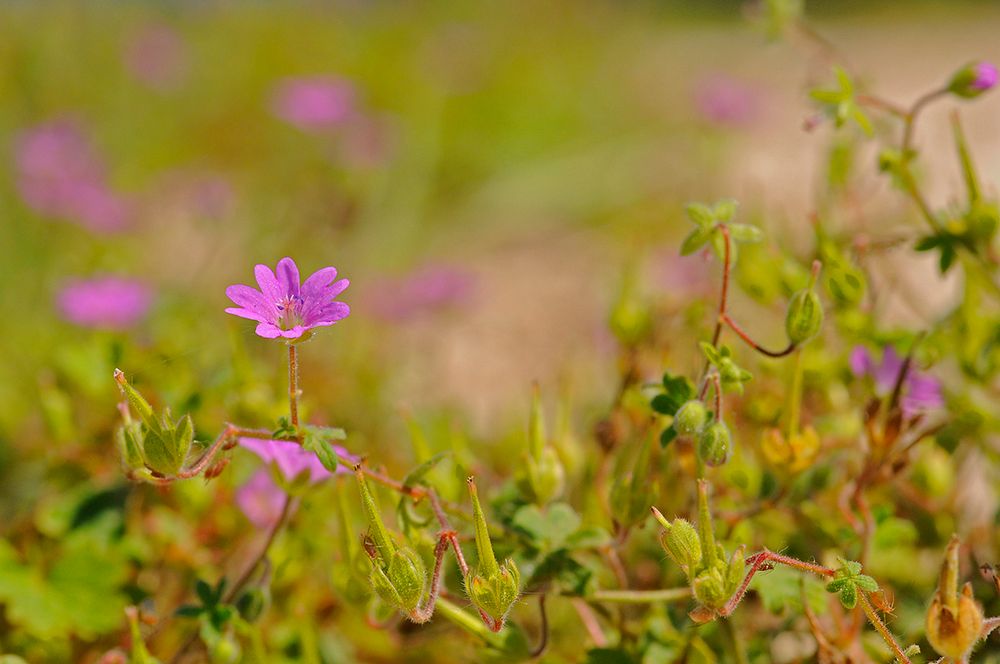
<point>268,331</point>
<point>986,76</point>
<point>861,361</point>
<point>291,458</point>
<point>261,500</point>
<point>318,281</point>
<point>268,283</point>
<point>288,276</point>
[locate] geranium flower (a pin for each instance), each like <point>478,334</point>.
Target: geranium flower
<point>292,459</point>
<point>314,102</point>
<point>261,500</point>
<point>104,302</point>
<point>724,100</point>
<point>285,309</point>
<point>920,391</point>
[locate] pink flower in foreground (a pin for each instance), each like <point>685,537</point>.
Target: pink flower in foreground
<point>314,103</point>
<point>428,288</point>
<point>920,391</point>
<point>724,100</point>
<point>59,174</point>
<point>105,302</point>
<point>291,458</point>
<point>283,308</point>
<point>261,500</point>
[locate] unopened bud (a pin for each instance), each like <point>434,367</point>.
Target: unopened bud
<point>954,619</point>
<point>690,418</point>
<point>715,444</point>
<point>973,79</point>
<point>805,313</point>
<point>401,581</point>
<point>492,587</point>
<point>682,544</point>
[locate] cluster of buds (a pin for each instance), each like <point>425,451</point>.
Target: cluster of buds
<point>398,575</point>
<point>493,587</point>
<point>153,447</point>
<point>714,441</point>
<point>713,576</point>
<point>954,619</point>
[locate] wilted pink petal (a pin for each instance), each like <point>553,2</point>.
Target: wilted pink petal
<point>106,302</point>
<point>261,500</point>
<point>314,103</point>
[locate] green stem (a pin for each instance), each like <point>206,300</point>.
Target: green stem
<point>883,631</point>
<point>795,400</point>
<point>738,652</point>
<point>468,622</point>
<point>293,385</point>
<point>640,596</point>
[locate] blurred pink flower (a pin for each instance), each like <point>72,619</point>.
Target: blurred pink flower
<point>104,302</point>
<point>261,499</point>
<point>986,76</point>
<point>314,103</point>
<point>157,56</point>
<point>60,175</point>
<point>284,308</point>
<point>920,391</point>
<point>292,459</point>
<point>724,100</point>
<point>426,289</point>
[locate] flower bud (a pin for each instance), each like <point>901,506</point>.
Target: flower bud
<point>546,476</point>
<point>161,444</point>
<point>493,588</point>
<point>682,544</point>
<point>715,444</point>
<point>401,580</point>
<point>954,620</point>
<point>690,417</point>
<point>252,603</point>
<point>973,79</point>
<point>805,316</point>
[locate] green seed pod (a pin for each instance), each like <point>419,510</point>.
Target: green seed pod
<point>402,582</point>
<point>682,544</point>
<point>496,594</point>
<point>805,316</point>
<point>710,587</point>
<point>252,604</point>
<point>715,444</point>
<point>690,417</point>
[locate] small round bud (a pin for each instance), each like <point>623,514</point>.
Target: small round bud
<point>690,418</point>
<point>805,316</point>
<point>973,80</point>
<point>715,444</point>
<point>682,544</point>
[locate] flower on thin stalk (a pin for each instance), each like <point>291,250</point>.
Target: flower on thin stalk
<point>920,391</point>
<point>284,308</point>
<point>104,303</point>
<point>292,459</point>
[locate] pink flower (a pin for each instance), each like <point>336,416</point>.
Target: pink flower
<point>156,56</point>
<point>985,76</point>
<point>314,103</point>
<point>428,288</point>
<point>285,309</point>
<point>105,302</point>
<point>60,175</point>
<point>261,500</point>
<point>727,101</point>
<point>920,391</point>
<point>291,458</point>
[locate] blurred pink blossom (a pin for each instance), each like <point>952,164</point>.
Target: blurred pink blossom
<point>60,175</point>
<point>921,391</point>
<point>292,459</point>
<point>261,499</point>
<point>314,103</point>
<point>428,288</point>
<point>104,302</point>
<point>157,57</point>
<point>724,100</point>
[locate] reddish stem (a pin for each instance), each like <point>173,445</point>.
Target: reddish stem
<point>724,318</point>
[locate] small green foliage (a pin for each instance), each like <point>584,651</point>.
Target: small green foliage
<point>840,103</point>
<point>732,375</point>
<point>319,440</point>
<point>848,581</point>
<point>160,443</point>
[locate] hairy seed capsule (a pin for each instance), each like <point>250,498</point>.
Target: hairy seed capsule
<point>690,418</point>
<point>715,444</point>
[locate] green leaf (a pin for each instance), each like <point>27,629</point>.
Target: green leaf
<point>695,240</point>
<point>725,210</point>
<point>205,593</point>
<point>417,475</point>
<point>188,611</point>
<point>668,436</point>
<point>700,214</point>
<point>849,596</point>
<point>746,233</point>
<point>549,529</point>
<point>866,583</point>
<point>318,439</point>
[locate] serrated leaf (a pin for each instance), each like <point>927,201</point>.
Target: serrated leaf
<point>849,596</point>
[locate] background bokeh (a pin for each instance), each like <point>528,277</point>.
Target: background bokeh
<point>488,175</point>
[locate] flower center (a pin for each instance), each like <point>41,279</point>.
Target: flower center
<point>289,311</point>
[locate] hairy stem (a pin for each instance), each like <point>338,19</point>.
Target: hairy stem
<point>880,627</point>
<point>293,385</point>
